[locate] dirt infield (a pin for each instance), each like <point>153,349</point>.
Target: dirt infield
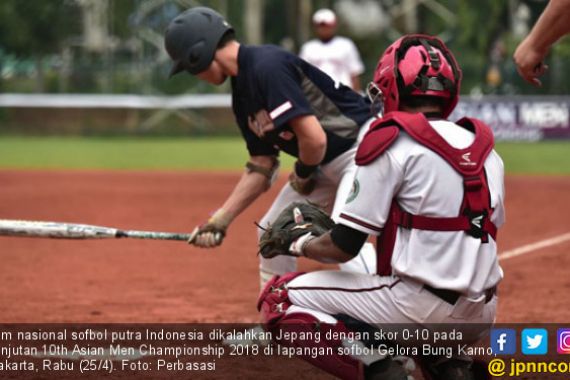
<point>151,281</point>
<point>47,280</point>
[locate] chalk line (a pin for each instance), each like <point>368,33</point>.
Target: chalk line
<point>534,246</point>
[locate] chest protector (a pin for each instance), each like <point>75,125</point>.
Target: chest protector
<point>475,212</point>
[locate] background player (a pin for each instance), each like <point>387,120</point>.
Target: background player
<point>281,103</point>
<point>335,55</point>
<point>432,191</point>
<point>552,24</point>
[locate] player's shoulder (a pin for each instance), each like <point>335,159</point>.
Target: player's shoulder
<point>272,62</point>
<point>266,57</point>
<point>495,159</point>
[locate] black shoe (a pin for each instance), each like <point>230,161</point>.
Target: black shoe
<point>385,369</point>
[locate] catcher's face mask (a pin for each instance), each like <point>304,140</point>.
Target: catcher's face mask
<point>376,97</point>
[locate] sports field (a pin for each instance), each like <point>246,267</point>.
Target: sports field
<point>212,154</point>
<point>172,185</point>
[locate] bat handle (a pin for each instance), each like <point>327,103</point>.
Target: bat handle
<point>193,235</point>
<point>218,237</point>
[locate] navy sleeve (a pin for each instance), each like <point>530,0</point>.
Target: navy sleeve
<point>280,84</point>
<point>255,146</point>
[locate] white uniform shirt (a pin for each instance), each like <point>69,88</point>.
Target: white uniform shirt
<point>338,58</point>
<point>425,184</point>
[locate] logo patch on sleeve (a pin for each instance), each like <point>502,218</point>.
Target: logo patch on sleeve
<point>353,191</point>
<point>280,110</point>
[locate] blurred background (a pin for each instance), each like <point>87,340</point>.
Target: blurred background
<point>98,67</point>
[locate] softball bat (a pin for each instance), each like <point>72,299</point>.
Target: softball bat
<point>25,228</point>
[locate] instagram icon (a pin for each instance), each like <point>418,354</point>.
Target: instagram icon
<point>563,345</point>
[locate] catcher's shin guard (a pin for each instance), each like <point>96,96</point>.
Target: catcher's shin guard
<point>316,335</point>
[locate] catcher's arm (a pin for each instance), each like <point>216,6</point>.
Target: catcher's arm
<point>304,229</point>
<point>339,245</point>
<point>253,182</point>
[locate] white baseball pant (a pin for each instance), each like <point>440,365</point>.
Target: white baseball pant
<point>333,184</point>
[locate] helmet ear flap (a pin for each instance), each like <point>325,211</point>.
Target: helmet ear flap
<point>195,51</point>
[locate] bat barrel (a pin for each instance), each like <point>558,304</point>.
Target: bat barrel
<point>23,228</point>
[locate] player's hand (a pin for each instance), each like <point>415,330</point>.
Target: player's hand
<point>303,180</point>
<point>297,247</point>
<point>212,233</point>
<point>529,62</point>
<point>303,186</point>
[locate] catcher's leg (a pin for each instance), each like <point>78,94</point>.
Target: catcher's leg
<point>321,333</point>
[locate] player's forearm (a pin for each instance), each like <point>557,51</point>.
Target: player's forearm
<point>324,250</point>
<point>312,154</point>
<point>311,139</point>
<point>250,186</point>
<point>552,24</point>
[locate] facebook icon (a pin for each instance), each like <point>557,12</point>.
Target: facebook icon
<point>503,341</point>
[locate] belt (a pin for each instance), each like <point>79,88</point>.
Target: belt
<point>451,296</point>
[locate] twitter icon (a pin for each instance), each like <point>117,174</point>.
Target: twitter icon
<point>534,341</point>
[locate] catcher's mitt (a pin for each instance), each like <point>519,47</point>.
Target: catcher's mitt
<point>296,220</point>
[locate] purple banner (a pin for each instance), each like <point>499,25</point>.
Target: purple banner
<point>520,118</point>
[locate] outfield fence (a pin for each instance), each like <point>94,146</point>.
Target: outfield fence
<point>513,118</point>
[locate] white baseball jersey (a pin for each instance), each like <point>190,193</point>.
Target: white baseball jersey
<point>442,259</point>
<point>339,58</point>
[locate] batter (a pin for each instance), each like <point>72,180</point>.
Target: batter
<point>281,104</point>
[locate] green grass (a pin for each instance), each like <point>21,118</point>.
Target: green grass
<point>212,154</point>
<point>122,153</point>
<point>547,157</point>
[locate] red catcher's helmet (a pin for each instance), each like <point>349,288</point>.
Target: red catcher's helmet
<point>417,64</point>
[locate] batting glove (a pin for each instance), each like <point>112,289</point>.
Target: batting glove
<point>302,179</point>
<point>212,233</point>
<point>303,186</point>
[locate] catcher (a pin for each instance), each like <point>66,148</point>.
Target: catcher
<point>432,193</point>
<point>281,103</point>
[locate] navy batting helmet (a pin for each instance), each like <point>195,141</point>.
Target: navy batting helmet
<point>192,37</point>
